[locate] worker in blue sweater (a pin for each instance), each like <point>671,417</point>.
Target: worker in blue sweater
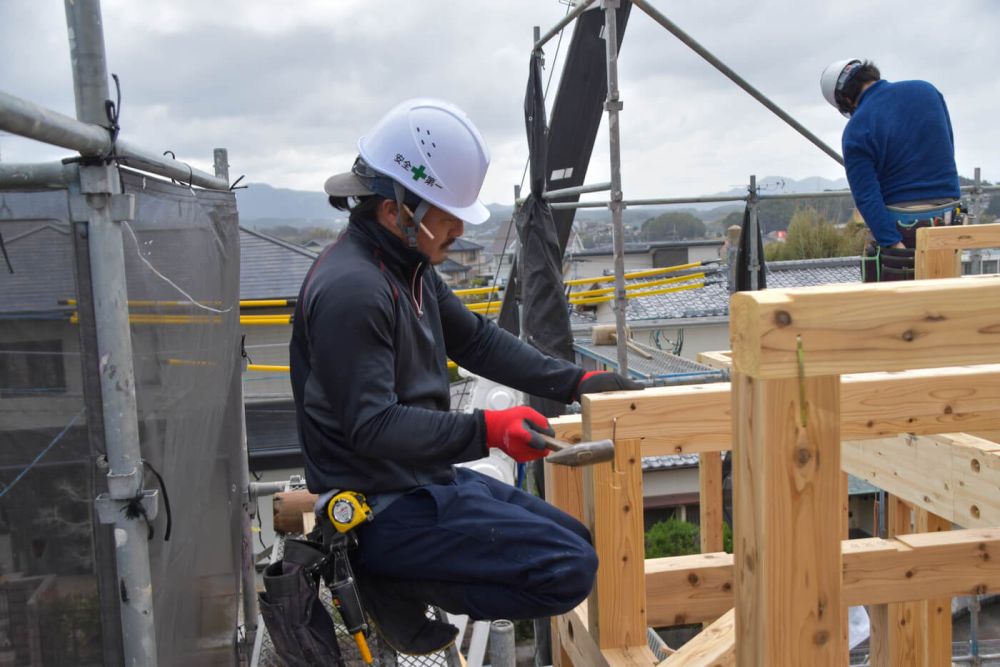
<point>899,153</point>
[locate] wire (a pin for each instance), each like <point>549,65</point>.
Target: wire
<point>170,282</point>
<point>42,453</point>
<point>545,93</point>
<point>166,502</point>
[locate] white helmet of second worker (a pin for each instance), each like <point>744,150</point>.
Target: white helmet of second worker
<point>432,149</point>
<point>833,80</point>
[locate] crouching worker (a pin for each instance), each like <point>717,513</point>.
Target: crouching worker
<point>373,329</point>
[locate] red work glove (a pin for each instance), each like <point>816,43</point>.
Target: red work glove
<point>515,432</point>
<point>595,382</point>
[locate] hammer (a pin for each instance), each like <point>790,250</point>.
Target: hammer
<point>581,454</point>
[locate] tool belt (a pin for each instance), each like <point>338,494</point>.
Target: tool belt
<point>882,264</point>
<point>300,628</point>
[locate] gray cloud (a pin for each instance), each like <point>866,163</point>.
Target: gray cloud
<point>288,90</point>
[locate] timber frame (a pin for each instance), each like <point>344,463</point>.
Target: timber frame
<point>897,383</point>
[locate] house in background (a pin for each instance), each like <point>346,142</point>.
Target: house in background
<point>454,273</point>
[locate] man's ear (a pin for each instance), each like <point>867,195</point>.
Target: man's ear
<point>385,213</point>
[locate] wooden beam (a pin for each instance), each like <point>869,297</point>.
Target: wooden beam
<point>955,476</point>
<point>698,418</point>
<point>576,641</point>
<point>787,467</point>
<point>699,588</point>
<point>721,359</point>
<point>857,328</point>
<point>613,508</point>
<point>632,656</point>
<point>688,589</point>
<point>715,646</point>
<point>710,501</point>
<point>959,237</point>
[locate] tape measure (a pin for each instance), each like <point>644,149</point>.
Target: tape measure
<point>347,509</point>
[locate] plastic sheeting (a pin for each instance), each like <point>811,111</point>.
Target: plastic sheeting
<point>58,588</point>
<point>743,270</point>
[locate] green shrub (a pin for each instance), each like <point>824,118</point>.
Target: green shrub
<point>674,537</point>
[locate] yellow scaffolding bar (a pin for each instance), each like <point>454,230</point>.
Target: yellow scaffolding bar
<point>634,295</point>
<point>638,286</point>
<point>645,273</point>
<point>476,290</point>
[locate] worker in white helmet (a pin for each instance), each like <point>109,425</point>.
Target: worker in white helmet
<point>373,330</point>
<point>899,154</point>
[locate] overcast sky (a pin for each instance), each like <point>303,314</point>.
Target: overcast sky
<point>288,87</point>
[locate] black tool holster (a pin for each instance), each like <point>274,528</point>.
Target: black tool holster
<point>300,628</point>
<point>879,264</point>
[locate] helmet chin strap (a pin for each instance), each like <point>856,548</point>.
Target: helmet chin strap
<point>409,230</point>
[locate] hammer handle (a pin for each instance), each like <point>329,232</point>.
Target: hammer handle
<point>555,444</point>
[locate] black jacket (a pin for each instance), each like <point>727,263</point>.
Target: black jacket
<point>372,333</point>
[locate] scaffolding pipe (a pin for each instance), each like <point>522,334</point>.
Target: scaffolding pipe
<point>578,190</point>
<point>39,175</point>
<point>752,230</point>
<point>566,20</point>
<point>613,106</point>
<point>114,346</point>
<point>976,255</point>
<point>825,194</point>
<point>735,78</point>
<point>91,139</point>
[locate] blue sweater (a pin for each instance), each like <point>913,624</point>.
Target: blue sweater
<point>898,147</point>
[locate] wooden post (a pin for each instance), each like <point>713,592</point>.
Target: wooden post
<point>788,520</point>
<point>937,636</point>
<point>613,507</point>
<point>710,501</point>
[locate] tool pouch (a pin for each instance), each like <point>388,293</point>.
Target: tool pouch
<point>887,264</point>
<point>300,628</point>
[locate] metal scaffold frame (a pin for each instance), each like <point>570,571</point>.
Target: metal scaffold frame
<point>94,185</point>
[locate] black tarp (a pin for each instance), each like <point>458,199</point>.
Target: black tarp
<point>574,122</point>
<point>545,312</point>
<point>743,272</point>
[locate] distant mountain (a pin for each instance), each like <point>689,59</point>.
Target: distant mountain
<point>261,205</point>
<point>781,185</point>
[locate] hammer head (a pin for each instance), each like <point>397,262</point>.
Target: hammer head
<point>584,453</point>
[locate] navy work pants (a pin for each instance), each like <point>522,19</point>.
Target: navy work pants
<point>514,555</point>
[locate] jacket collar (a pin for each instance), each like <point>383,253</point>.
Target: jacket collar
<point>394,252</point>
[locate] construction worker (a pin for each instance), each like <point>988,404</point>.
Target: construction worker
<point>899,154</point>
<point>373,329</point>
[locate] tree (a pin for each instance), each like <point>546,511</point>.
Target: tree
<point>810,236</point>
<point>673,225</point>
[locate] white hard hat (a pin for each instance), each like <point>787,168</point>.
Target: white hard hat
<point>833,80</point>
<point>432,149</point>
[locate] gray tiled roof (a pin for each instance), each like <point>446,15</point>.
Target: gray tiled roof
<point>451,266</point>
<point>271,268</point>
<point>461,244</point>
<point>673,461</point>
<point>713,299</point>
<point>41,254</point>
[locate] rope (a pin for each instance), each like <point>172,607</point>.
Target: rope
<point>42,453</point>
